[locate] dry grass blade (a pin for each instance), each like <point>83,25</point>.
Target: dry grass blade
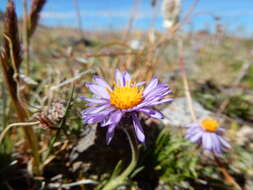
<point>11,52</point>
<point>11,30</point>
<point>23,124</point>
<point>10,60</point>
<point>236,83</point>
<point>36,7</point>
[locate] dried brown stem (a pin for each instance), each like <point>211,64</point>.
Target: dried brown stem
<point>29,25</point>
<point>11,30</point>
<point>36,7</point>
<point>10,60</point>
<point>110,53</point>
<point>133,16</point>
<point>185,81</point>
<point>25,38</point>
<point>79,18</point>
<point>236,83</point>
<point>228,178</point>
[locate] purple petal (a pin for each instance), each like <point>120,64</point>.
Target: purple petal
<point>138,128</point>
<point>94,100</point>
<point>99,91</point>
<point>152,84</point>
<point>217,147</point>
<point>118,77</point>
<point>158,95</point>
<point>126,78</point>
<point>147,103</point>
<point>96,109</point>
<point>195,138</point>
<point>140,83</point>
<point>220,131</point>
<point>192,125</point>
<point>161,101</point>
<point>93,118</point>
<point>101,82</point>
<point>110,133</point>
<point>161,90</point>
<point>152,113</point>
<point>192,131</point>
<point>98,117</point>
<point>207,141</point>
<point>113,118</point>
<point>224,143</point>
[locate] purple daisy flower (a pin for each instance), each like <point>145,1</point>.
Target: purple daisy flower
<point>209,135</point>
<point>109,105</point>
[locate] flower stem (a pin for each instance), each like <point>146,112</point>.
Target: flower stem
<point>122,178</point>
<point>228,178</point>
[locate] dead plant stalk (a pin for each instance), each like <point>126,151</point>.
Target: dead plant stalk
<point>10,59</point>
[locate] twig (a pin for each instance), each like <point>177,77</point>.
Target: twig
<point>240,76</point>
<point>29,25</point>
<point>35,9</point>
<point>228,178</point>
<point>136,5</point>
<point>22,124</point>
<point>110,53</point>
<point>69,185</point>
<point>79,18</point>
<point>185,81</point>
<point>71,80</point>
<point>25,38</point>
<point>4,104</point>
<point>11,30</point>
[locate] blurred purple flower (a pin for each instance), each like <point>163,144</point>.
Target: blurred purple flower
<point>209,135</point>
<point>109,105</point>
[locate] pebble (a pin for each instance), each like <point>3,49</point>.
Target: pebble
<point>178,114</point>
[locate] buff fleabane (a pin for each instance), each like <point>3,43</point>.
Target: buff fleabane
<point>209,135</point>
<point>109,105</point>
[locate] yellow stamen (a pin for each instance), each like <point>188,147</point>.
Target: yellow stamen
<point>210,125</point>
<point>125,97</point>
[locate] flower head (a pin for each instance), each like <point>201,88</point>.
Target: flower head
<point>109,105</point>
<point>209,135</point>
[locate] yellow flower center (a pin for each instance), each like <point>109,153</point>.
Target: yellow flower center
<point>210,125</point>
<point>125,97</point>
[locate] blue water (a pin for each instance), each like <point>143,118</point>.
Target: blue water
<point>236,16</point>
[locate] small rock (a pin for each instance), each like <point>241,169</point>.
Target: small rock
<point>76,166</point>
<point>86,141</point>
<point>245,135</point>
<point>178,114</point>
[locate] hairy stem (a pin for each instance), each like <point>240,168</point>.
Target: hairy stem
<point>122,178</point>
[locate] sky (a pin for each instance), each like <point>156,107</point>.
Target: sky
<point>236,16</point>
